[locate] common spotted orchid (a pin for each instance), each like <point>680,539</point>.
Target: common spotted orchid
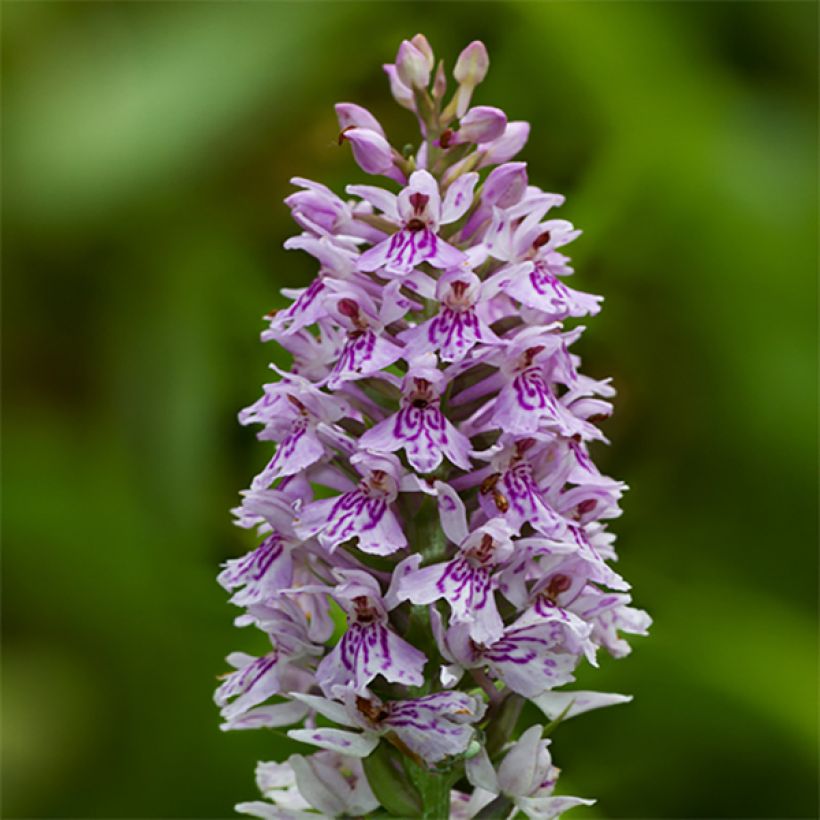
<point>432,547</point>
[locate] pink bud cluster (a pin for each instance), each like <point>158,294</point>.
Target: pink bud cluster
<point>435,546</point>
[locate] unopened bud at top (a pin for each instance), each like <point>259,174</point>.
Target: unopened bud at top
<point>413,66</point>
<point>423,45</point>
<point>471,68</point>
<point>472,64</point>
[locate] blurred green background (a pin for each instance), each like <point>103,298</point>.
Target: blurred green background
<point>147,148</point>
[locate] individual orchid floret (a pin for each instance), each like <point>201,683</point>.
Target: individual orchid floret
<point>609,623</point>
<point>527,403</point>
<point>512,490</point>
<point>503,188</point>
<point>314,356</point>
<point>364,513</point>
<point>253,682</point>
<point>322,213</point>
<point>529,658</point>
<point>532,275</point>
<point>421,212</point>
<point>262,573</point>
<point>368,647</point>
<point>367,350</point>
<point>467,582</point>
<point>431,728</point>
<point>470,70</point>
<point>526,777</point>
<point>460,323</point>
<point>420,427</point>
<point>301,419</point>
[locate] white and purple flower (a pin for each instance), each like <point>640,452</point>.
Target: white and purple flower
<point>432,530</point>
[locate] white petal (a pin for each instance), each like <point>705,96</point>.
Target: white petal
<point>326,792</point>
<point>552,704</point>
<point>385,201</point>
<point>327,708</point>
<point>480,772</point>
<point>452,512</point>
<point>517,772</point>
<point>548,808</point>
<point>336,740</point>
<point>458,198</point>
<point>277,714</point>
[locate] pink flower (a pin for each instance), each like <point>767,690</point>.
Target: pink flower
<point>429,515</point>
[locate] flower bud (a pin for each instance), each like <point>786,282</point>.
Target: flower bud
<point>413,66</point>
<point>422,44</point>
<point>351,115</point>
<point>371,150</point>
<point>483,123</point>
<point>505,185</point>
<point>471,69</point>
<point>440,82</point>
<point>472,64</point>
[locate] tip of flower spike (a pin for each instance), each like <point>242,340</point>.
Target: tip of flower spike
<point>413,65</point>
<point>472,64</point>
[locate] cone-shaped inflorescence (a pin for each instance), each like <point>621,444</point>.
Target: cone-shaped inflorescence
<point>434,550</point>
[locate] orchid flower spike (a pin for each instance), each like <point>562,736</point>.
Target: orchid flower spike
<point>432,533</point>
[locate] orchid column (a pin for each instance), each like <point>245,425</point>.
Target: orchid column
<point>435,549</point>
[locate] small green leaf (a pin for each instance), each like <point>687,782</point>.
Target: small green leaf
<point>390,784</point>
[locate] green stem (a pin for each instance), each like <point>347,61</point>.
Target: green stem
<point>502,723</point>
<point>499,808</point>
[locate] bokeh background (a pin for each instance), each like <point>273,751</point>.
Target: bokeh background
<point>147,148</point>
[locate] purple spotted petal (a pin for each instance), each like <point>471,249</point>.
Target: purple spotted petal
<point>307,309</point>
<point>543,290</point>
<point>355,514</point>
<point>337,740</point>
<point>254,681</point>
<point>366,651</point>
<point>406,249</point>
<point>467,588</point>
<point>434,727</point>
<point>425,435</point>
<point>525,502</point>
<point>453,333</point>
<point>364,353</point>
<point>299,449</point>
<point>261,573</point>
<point>527,404</point>
<point>530,660</point>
